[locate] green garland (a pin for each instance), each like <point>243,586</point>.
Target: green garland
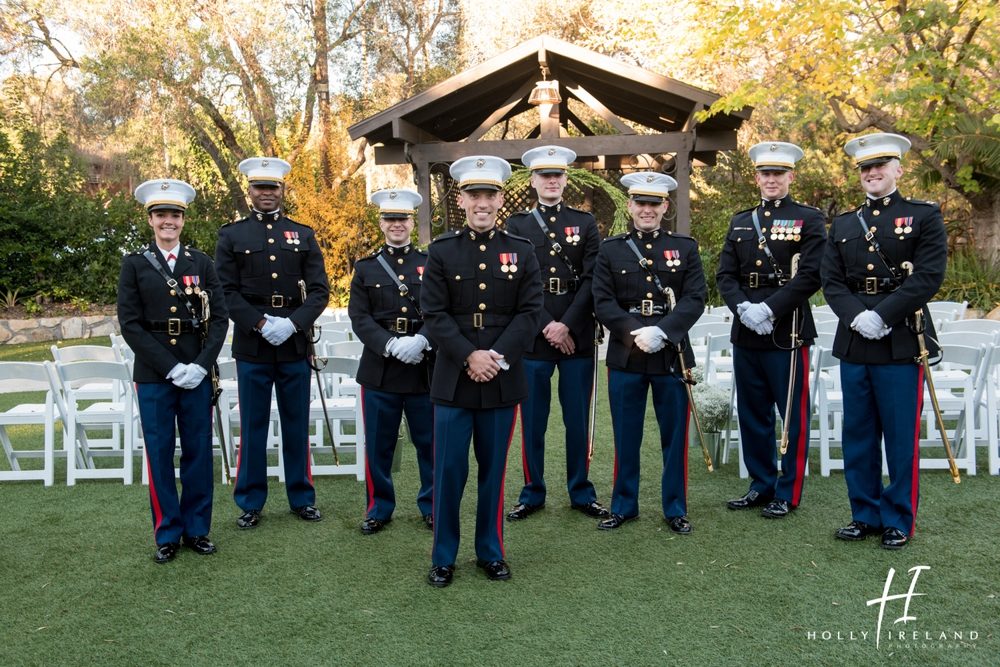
<point>584,179</point>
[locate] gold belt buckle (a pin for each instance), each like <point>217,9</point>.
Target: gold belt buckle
<point>174,326</point>
<point>477,320</point>
<point>647,307</point>
<point>402,325</point>
<point>754,280</point>
<point>277,301</point>
<point>554,285</point>
<point>871,285</point>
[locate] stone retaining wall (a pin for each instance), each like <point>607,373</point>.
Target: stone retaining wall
<point>57,328</point>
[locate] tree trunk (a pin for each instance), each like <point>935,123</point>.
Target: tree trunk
<point>984,225</point>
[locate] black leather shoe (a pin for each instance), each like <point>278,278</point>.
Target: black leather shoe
<point>307,513</point>
<point>371,526</point>
<point>166,552</point>
<point>440,575</point>
<point>429,521</point>
<point>594,509</point>
<point>679,524</point>
<point>856,530</point>
<point>249,519</point>
<point>894,538</point>
<point>613,521</point>
<point>496,570</point>
<point>523,511</point>
<point>750,499</point>
<point>201,545</point>
<point>776,509</point>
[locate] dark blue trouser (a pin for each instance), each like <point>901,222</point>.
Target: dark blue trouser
<point>576,380</point>
<point>882,400</point>
<point>627,394</point>
<point>383,413</point>
<point>762,384</point>
<point>490,430</point>
<point>290,381</point>
<point>161,407</point>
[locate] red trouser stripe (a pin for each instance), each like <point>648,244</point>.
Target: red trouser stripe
<point>153,500</point>
<point>524,451</point>
<point>503,481</point>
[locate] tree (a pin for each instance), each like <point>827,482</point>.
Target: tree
<point>926,69</point>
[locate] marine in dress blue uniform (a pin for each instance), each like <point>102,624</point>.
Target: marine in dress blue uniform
<point>174,349</point>
<point>759,288</point>
<point>394,373</point>
<point>260,261</point>
<point>875,300</point>
<point>643,348</point>
<point>566,249</point>
<point>481,300</point>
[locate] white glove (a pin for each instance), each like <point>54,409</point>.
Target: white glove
<point>764,328</point>
<point>650,339</point>
<point>755,314</point>
<point>280,329</point>
<point>501,362</point>
<point>192,377</point>
<point>740,308</point>
<point>177,371</point>
<point>870,325</point>
<point>410,349</point>
<point>390,345</point>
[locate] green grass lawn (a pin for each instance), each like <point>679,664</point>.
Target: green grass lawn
<point>80,587</point>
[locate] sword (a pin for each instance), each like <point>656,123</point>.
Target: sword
<point>318,364</point>
<point>922,359</point>
<point>689,382</point>
<point>206,314</point>
<point>796,345</point>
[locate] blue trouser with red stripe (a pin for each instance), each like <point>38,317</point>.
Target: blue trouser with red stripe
<point>576,379</point>
<point>761,378</point>
<point>383,413</point>
<point>882,400</point>
<point>490,431</point>
<point>160,405</point>
<point>627,394</point>
<point>290,381</point>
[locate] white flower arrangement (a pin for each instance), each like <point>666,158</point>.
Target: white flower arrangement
<point>712,402</point>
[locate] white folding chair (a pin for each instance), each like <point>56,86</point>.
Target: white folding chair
<point>955,389</point>
<point>82,414</point>
<point>342,410</point>
<point>956,309</point>
<point>344,348</point>
<point>16,377</point>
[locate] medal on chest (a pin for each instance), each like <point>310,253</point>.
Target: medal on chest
<point>572,234</point>
<point>508,262</point>
<point>191,284</point>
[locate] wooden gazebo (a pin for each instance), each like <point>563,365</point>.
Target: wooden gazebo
<point>450,120</point>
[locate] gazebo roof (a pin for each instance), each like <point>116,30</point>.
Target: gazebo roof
<point>469,103</point>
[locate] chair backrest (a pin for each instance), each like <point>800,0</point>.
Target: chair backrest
<point>968,356</point>
<point>970,338</point>
<point>84,353</point>
<point>990,326</point>
<point>347,348</point>
<point>93,370</point>
<point>18,376</point>
<point>343,366</point>
<point>122,350</point>
<point>957,308</point>
<point>825,308</point>
<point>703,328</point>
